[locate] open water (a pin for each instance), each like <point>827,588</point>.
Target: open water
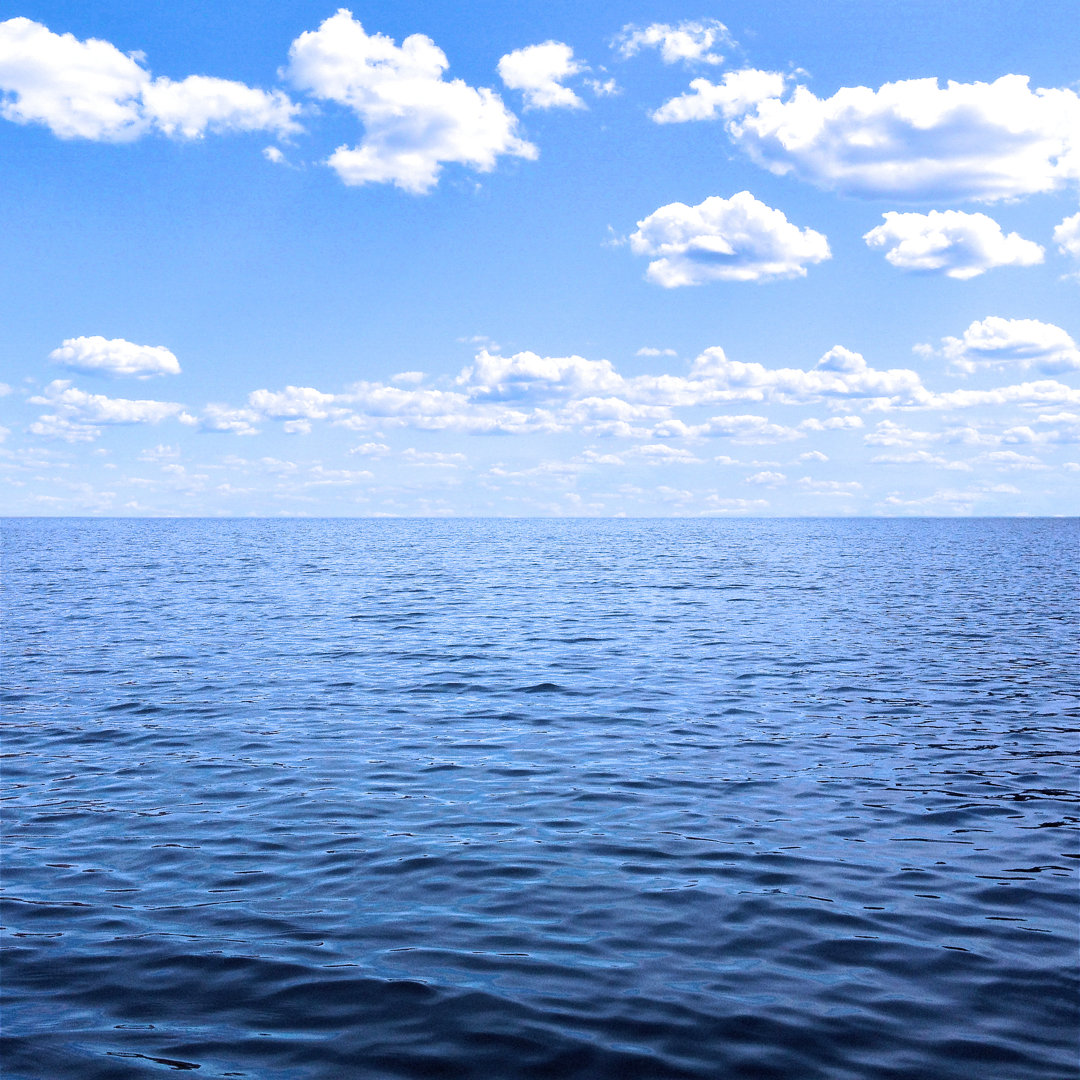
<point>522,799</point>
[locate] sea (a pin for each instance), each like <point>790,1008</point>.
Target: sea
<point>505,799</point>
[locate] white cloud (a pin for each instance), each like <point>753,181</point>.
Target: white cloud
<point>414,120</point>
<point>735,95</point>
<point>950,500</point>
<point>101,356</point>
<point>161,452</point>
<point>951,242</point>
<point>841,488</point>
<point>274,154</point>
<point>921,457</point>
<point>527,375</point>
<point>911,139</point>
<point>649,351</point>
<point>662,454</point>
<point>433,458</point>
<point>1021,343</point>
<point>199,103</point>
<point>294,402</point>
<point>767,477</point>
<point>1012,461</point>
<point>539,71</point>
<point>839,374</point>
<point>77,414</point>
<point>603,87</point>
<point>232,421</point>
<point>371,449</point>
<point>736,239</point>
<point>689,42</point>
<point>91,90</point>
<point>1067,236</point>
<point>889,433</point>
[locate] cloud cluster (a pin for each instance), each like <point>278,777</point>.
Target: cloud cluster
<point>911,139</point>
<point>527,393</point>
<point>689,42</point>
<point>950,242</point>
<point>415,121</point>
<point>539,72</point>
<point>101,356</point>
<point>91,90</point>
<point>736,239</point>
<point>1026,344</point>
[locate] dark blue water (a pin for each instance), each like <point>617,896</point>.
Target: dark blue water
<point>506,799</point>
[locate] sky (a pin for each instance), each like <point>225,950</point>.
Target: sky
<point>543,259</point>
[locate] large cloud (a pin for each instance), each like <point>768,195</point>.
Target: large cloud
<point>950,242</point>
<point>539,71</point>
<point>736,239</point>
<point>912,139</point>
<point>414,120</point>
<point>101,356</point>
<point>995,342</point>
<point>91,90</point>
<point>689,42</point>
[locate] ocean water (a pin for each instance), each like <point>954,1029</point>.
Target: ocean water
<point>505,799</point>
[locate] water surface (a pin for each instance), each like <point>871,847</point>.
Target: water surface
<point>509,799</point>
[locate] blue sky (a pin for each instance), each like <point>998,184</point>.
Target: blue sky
<point>551,259</point>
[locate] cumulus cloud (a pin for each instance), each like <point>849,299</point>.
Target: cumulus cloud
<point>101,356</point>
<point>736,239</point>
<point>1021,343</point>
<point>230,421</point>
<point>415,121</point>
<point>688,42</point>
<point>77,414</point>
<point>736,94</point>
<point>91,90</point>
<point>292,403</point>
<point>539,72</point>
<point>527,375</point>
<point>839,374</point>
<point>912,139</point>
<point>1067,236</point>
<point>950,242</point>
